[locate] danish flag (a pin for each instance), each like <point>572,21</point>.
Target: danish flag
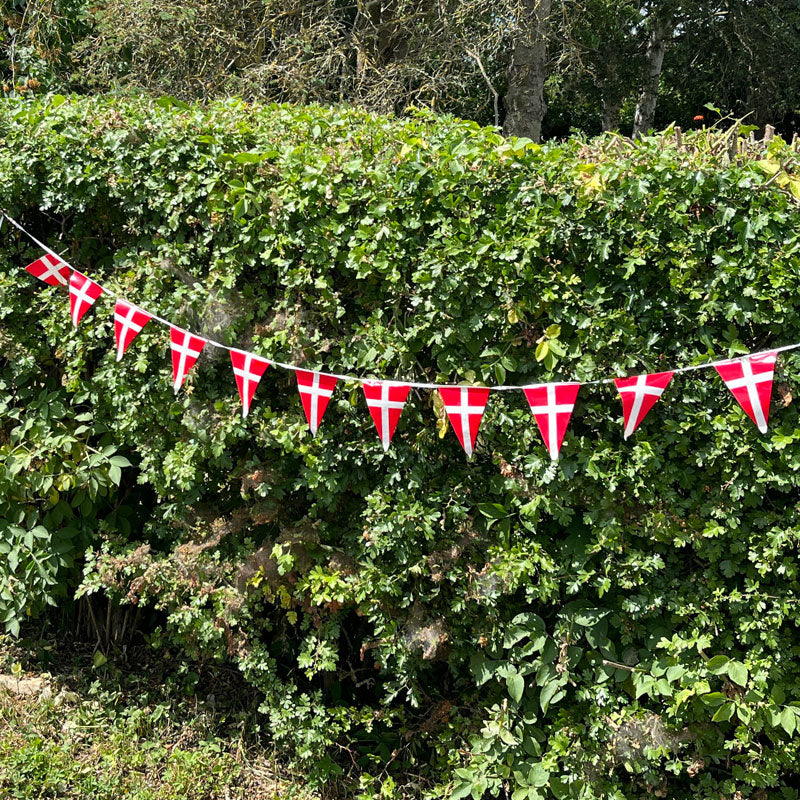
<point>128,322</point>
<point>83,292</point>
<point>50,269</point>
<point>552,405</point>
<point>750,381</point>
<point>639,395</point>
<point>247,369</point>
<point>385,401</point>
<point>315,392</point>
<point>464,406</point>
<point>186,348</point>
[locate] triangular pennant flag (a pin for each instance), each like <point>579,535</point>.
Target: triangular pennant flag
<point>639,395</point>
<point>315,392</point>
<point>186,348</point>
<point>385,401</point>
<point>50,269</point>
<point>464,406</point>
<point>750,381</point>
<point>83,292</point>
<point>247,369</point>
<point>552,405</point>
<point>128,323</point>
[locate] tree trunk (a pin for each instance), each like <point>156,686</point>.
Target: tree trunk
<point>524,100</point>
<point>612,93</point>
<point>646,106</point>
<point>611,110</point>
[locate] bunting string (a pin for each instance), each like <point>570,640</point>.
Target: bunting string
<point>749,377</point>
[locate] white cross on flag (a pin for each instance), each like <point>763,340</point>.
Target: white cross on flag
<point>83,292</point>
<point>639,395</point>
<point>750,381</point>
<point>50,269</point>
<point>128,322</point>
<point>185,350</point>
<point>464,406</point>
<point>385,401</point>
<point>315,392</point>
<point>552,405</point>
<point>247,369</point>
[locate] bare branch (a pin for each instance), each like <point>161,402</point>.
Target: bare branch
<point>490,86</point>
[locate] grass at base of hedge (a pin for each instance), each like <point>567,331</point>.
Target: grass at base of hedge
<point>102,732</point>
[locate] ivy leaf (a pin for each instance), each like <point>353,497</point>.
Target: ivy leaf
<point>507,737</point>
<point>480,668</point>
<point>788,720</point>
<point>717,665</point>
<point>713,699</point>
<point>516,686</point>
<point>492,510</point>
<point>538,776</point>
<point>767,166</point>
<point>724,712</point>
<point>548,690</point>
<point>737,672</point>
<point>462,790</point>
<point>589,617</point>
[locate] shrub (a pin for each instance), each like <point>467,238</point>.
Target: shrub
<point>618,624</point>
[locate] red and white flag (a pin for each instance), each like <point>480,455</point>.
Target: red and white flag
<point>315,392</point>
<point>247,369</point>
<point>750,381</point>
<point>465,406</point>
<point>83,292</point>
<point>50,269</point>
<point>552,405</point>
<point>185,350</point>
<point>639,395</point>
<point>128,323</point>
<point>385,401</point>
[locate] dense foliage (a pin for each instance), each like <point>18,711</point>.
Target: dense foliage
<point>620,624</point>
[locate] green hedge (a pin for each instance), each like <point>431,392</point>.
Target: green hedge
<point>622,624</point>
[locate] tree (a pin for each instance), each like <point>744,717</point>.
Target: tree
<point>739,55</point>
<point>661,22</point>
<point>384,56</point>
<point>599,48</point>
<point>525,104</point>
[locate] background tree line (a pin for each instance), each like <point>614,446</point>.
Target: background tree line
<point>538,68</point>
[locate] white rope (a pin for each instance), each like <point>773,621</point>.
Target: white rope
<point>356,378</point>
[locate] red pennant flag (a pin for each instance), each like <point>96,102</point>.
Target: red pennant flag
<point>385,401</point>
<point>247,369</point>
<point>83,292</point>
<point>552,405</point>
<point>128,322</point>
<point>50,269</point>
<point>315,392</point>
<point>185,350</point>
<point>750,381</point>
<point>464,406</point>
<point>639,395</point>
